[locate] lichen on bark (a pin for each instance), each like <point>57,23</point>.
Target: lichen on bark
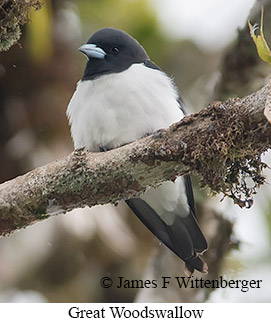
<point>232,155</point>
<point>14,14</point>
<point>222,144</point>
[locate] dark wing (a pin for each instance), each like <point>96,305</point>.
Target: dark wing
<point>183,236</point>
<point>150,64</point>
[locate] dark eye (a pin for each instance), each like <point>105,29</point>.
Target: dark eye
<point>114,49</point>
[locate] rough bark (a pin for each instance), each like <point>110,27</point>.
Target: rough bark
<point>222,144</point>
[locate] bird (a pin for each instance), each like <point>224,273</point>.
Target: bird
<point>122,97</point>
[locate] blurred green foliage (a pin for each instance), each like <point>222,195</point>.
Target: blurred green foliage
<point>39,33</point>
<point>136,17</point>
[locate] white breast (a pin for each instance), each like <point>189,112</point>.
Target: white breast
<point>116,109</point>
<point>119,108</point>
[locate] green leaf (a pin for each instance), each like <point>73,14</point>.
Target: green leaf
<point>260,42</point>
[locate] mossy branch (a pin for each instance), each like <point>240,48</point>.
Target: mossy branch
<point>13,15</point>
<point>222,144</point>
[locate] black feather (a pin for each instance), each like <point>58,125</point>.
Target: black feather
<point>183,237</point>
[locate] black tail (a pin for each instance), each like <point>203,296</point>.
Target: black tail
<point>183,236</point>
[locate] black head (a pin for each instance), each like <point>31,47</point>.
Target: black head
<point>111,50</point>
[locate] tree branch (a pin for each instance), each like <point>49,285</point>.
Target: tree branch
<point>222,144</point>
<point>13,15</point>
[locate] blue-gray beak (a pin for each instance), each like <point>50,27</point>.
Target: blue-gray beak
<point>91,50</point>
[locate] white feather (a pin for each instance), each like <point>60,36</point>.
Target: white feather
<point>116,109</point>
<point>119,108</point>
<point>168,200</point>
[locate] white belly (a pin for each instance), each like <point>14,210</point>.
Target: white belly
<point>168,200</point>
<point>119,108</point>
<point>116,109</point>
